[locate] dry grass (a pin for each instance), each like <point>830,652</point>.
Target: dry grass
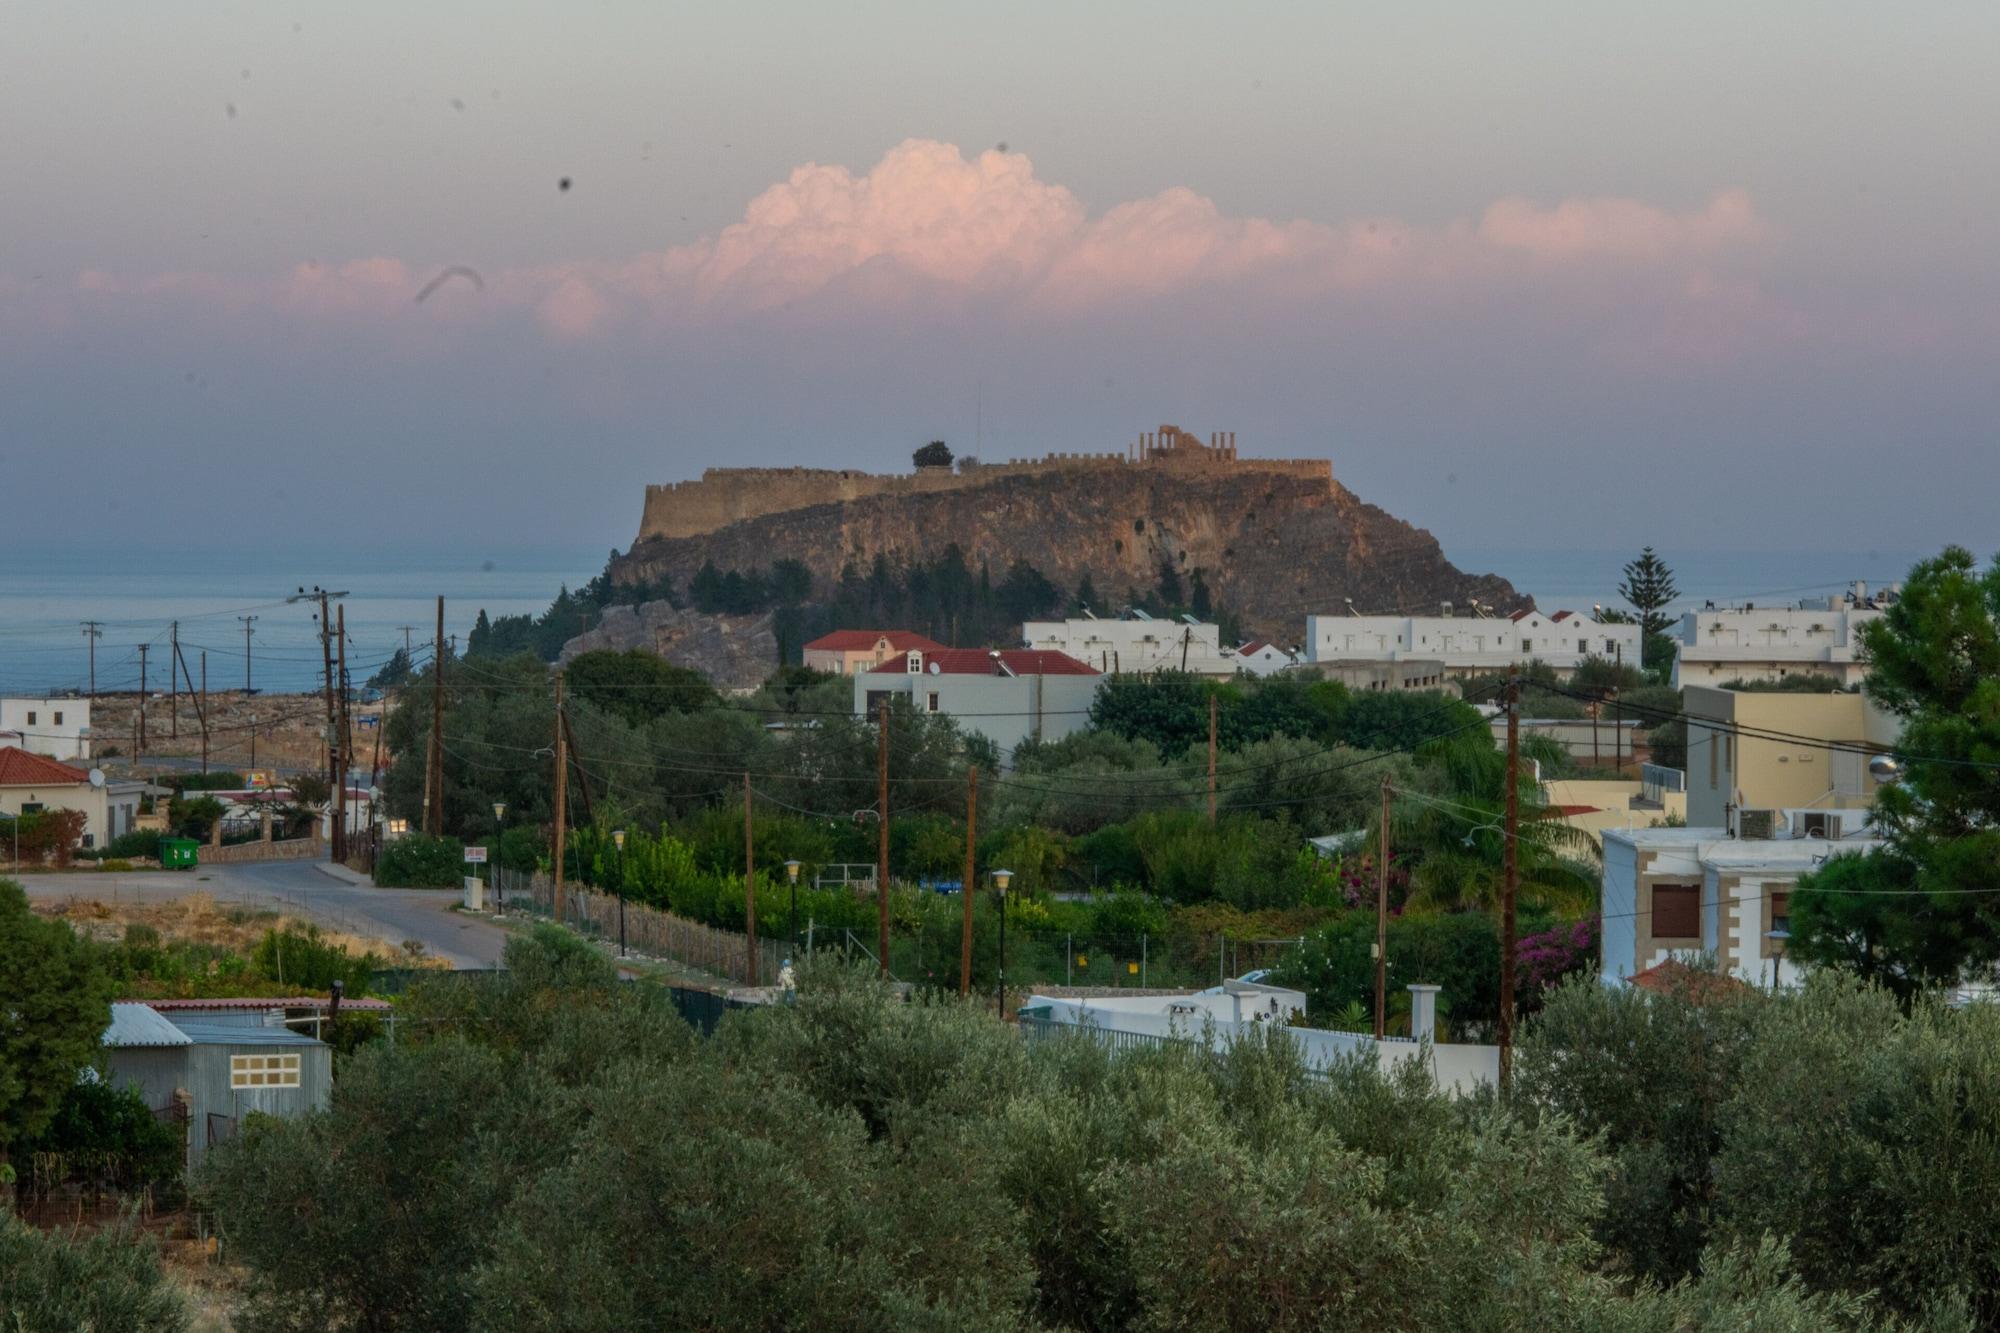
<point>199,919</point>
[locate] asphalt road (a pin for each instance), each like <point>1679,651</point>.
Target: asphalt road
<point>310,889</point>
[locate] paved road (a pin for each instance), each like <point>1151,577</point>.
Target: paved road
<point>309,888</point>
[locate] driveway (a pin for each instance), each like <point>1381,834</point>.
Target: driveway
<point>331,896</point>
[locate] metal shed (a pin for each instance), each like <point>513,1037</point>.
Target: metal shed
<point>211,1074</point>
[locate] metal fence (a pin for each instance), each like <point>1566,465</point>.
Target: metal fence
<point>645,930</point>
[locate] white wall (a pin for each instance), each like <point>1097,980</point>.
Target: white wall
<point>67,740</point>
<point>1007,710</point>
<point>1618,934</point>
<point>1132,645</point>
<point>1469,643</point>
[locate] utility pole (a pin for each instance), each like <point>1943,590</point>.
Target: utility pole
<point>346,745</point>
<point>1382,920</point>
<point>1510,884</point>
<point>562,794</point>
<point>91,634</point>
<point>407,629</point>
<point>1212,708</point>
<point>246,651</point>
<point>333,782</point>
<point>202,710</point>
<point>965,890</point>
<point>144,648</point>
<point>882,823</point>
<point>749,881</point>
<point>434,815</point>
<point>174,682</point>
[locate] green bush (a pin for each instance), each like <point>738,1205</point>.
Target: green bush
<point>305,960</point>
<point>107,1280</point>
<point>138,845</point>
<point>419,861</point>
<point>103,1137</point>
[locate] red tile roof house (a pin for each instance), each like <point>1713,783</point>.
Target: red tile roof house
<point>1008,695</point>
<point>849,652</point>
<point>30,783</point>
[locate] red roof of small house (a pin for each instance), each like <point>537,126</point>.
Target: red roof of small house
<point>1673,977</point>
<point>1562,615</point>
<point>1020,661</point>
<point>373,1006</point>
<point>18,768</point>
<point>1252,648</point>
<point>861,640</point>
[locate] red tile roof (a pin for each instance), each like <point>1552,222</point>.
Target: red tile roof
<point>1020,661</point>
<point>1251,649</point>
<point>862,640</point>
<point>18,768</point>
<point>1562,615</point>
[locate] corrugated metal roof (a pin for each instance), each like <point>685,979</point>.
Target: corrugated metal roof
<point>138,1025</point>
<point>234,1034</point>
<point>258,1003</point>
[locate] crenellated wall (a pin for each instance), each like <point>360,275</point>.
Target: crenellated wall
<point>730,495</point>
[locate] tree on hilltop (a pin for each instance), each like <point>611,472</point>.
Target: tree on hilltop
<point>935,454</point>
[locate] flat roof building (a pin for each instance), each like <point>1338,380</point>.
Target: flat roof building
<point>1470,645</point>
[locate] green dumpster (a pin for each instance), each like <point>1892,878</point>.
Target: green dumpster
<point>179,853</point>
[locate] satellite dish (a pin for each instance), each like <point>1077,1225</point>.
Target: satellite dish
<point>97,777</point>
<point>936,670</point>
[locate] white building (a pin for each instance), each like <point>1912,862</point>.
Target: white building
<point>1719,644</point>
<point>1468,645</point>
<point>1686,891</point>
<point>30,784</point>
<point>1135,642</point>
<point>58,728</point>
<point>1259,657</point>
<point>1008,696</point>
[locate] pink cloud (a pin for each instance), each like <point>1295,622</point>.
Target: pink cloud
<point>1622,228</point>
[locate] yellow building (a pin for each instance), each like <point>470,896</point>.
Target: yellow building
<point>1728,773</point>
<point>1594,806</point>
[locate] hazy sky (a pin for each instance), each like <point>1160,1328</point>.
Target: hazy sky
<point>1527,273</point>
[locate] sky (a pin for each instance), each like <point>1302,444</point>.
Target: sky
<point>1702,274</point>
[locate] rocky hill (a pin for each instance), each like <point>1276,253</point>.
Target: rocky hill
<point>1275,547</point>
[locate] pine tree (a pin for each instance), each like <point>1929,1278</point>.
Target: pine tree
<point>1649,587</point>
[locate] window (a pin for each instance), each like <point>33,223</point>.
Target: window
<point>90,839</point>
<point>32,807</point>
<point>1583,645</point>
<point>1527,645</point>
<point>1677,912</point>
<point>1781,916</point>
<point>31,718</point>
<point>263,1071</point>
<point>932,706</point>
<point>59,719</point>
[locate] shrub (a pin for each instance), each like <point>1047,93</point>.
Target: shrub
<point>419,861</point>
<point>102,1137</point>
<point>138,845</point>
<point>109,1280</point>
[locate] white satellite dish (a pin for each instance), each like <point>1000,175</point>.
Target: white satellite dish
<point>936,670</point>
<point>97,777</point>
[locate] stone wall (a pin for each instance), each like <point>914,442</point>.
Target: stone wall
<point>731,495</point>
<point>292,849</point>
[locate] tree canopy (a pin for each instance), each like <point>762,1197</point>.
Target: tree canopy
<point>57,1003</point>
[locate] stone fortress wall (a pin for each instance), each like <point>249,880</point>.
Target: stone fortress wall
<point>730,495</point>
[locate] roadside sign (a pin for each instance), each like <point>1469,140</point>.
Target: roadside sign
<point>475,856</point>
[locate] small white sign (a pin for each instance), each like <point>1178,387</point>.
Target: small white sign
<point>475,856</point>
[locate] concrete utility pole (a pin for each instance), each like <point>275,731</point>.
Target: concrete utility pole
<point>1212,709</point>
<point>1510,885</point>
<point>1382,921</point>
<point>247,621</point>
<point>882,823</point>
<point>965,889</point>
<point>434,813</point>
<point>749,881</point>
<point>91,634</point>
<point>562,795</point>
<point>144,648</point>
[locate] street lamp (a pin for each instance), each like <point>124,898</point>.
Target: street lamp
<point>1001,878</point>
<point>792,877</point>
<point>1776,937</point>
<point>492,862</point>
<point>618,842</point>
<point>1885,768</point>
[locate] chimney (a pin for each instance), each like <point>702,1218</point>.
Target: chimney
<point>1424,1012</point>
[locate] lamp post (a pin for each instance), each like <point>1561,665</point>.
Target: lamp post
<point>1001,878</point>
<point>492,861</point>
<point>253,740</point>
<point>618,842</point>
<point>792,878</point>
<point>1777,938</point>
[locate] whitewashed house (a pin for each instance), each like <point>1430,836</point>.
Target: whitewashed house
<point>1470,645</point>
<point>56,728</point>
<point>1135,642</point>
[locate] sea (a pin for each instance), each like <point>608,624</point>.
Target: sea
<point>138,596</point>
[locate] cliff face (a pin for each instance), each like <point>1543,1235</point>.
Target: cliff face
<point>1274,548</point>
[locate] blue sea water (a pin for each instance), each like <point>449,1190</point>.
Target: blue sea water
<point>136,593</point>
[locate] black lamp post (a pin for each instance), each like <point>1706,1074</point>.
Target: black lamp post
<point>1001,878</point>
<point>618,844</point>
<point>492,859</point>
<point>792,878</point>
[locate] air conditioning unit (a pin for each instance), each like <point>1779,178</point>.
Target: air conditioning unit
<point>1756,823</point>
<point>1817,824</point>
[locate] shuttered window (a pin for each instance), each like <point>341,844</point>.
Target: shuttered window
<point>1677,912</point>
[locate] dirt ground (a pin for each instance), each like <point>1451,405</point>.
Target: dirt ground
<point>198,918</point>
<point>288,730</point>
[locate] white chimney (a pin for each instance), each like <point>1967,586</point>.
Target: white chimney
<point>1424,1012</point>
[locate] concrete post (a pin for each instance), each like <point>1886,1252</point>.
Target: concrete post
<point>264,823</point>
<point>1423,1012</point>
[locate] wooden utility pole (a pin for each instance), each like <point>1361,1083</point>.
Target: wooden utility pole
<point>202,710</point>
<point>562,796</point>
<point>1510,884</point>
<point>434,811</point>
<point>882,847</point>
<point>91,634</point>
<point>144,648</point>
<point>1212,706</point>
<point>174,682</point>
<point>749,880</point>
<point>247,622</point>
<point>965,889</point>
<point>346,745</point>
<point>333,779</point>
<point>1382,921</point>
